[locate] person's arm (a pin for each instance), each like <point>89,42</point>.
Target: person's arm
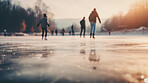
<point>39,23</point>
<point>89,17</point>
<point>84,23</point>
<point>47,23</point>
<point>81,22</point>
<point>99,18</point>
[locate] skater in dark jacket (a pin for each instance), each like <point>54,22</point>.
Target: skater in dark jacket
<point>56,31</point>
<point>72,30</point>
<point>83,26</point>
<point>44,25</point>
<point>5,32</point>
<point>63,31</point>
<point>92,20</point>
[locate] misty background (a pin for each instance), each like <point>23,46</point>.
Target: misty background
<point>16,18</point>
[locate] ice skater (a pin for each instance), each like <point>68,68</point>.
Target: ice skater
<point>69,32</point>
<point>44,25</point>
<point>56,31</point>
<point>52,32</point>
<point>92,20</point>
<point>72,30</point>
<point>5,32</point>
<point>83,26</point>
<point>63,31</point>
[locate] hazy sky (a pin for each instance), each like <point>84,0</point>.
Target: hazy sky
<point>80,8</point>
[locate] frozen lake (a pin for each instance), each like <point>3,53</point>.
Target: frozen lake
<point>71,59</point>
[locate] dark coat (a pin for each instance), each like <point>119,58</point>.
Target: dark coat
<point>43,23</point>
<point>82,23</point>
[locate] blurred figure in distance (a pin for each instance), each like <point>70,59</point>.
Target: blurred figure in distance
<point>5,32</point>
<point>72,30</point>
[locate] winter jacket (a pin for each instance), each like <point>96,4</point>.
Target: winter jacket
<point>93,16</point>
<point>82,23</point>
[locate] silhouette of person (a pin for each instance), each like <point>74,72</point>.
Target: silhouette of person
<point>63,31</point>
<point>72,30</point>
<point>92,20</point>
<point>52,32</point>
<point>69,32</point>
<point>109,31</point>
<point>44,25</point>
<point>83,26</point>
<point>56,31</point>
<point>5,32</point>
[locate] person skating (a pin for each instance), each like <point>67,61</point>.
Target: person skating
<point>63,31</point>
<point>5,32</point>
<point>44,25</point>
<point>72,30</point>
<point>56,31</point>
<point>69,32</point>
<point>92,20</point>
<point>83,26</point>
<point>52,32</point>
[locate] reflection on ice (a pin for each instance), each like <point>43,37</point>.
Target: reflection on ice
<point>82,51</point>
<point>111,59</point>
<point>93,56</point>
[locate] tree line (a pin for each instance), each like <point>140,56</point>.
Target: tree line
<point>15,18</point>
<point>136,17</point>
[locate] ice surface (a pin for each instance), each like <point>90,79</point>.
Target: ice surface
<point>71,59</point>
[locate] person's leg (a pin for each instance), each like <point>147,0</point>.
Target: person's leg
<point>4,33</point>
<point>42,33</point>
<point>73,32</point>
<point>45,33</point>
<point>81,31</point>
<point>84,32</point>
<point>94,25</point>
<point>91,29</point>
